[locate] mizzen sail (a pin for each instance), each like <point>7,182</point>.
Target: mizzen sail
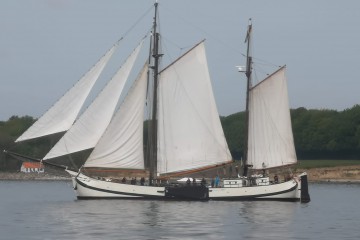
<point>270,142</point>
<point>87,130</point>
<point>62,114</point>
<point>190,135</point>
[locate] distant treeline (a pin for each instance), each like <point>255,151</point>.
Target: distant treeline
<point>318,134</point>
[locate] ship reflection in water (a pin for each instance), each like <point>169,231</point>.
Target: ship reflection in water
<point>48,210</point>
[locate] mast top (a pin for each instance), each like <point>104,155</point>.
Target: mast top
<point>247,38</point>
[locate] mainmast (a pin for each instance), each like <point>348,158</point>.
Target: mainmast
<point>248,75</point>
<point>156,56</point>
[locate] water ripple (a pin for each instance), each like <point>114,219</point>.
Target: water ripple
<point>48,210</point>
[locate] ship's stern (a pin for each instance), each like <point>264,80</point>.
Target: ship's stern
<point>304,188</point>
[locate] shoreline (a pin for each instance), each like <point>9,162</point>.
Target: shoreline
<point>340,174</point>
<point>20,176</point>
<point>350,181</point>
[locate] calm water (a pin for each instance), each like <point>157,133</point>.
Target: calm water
<point>49,210</point>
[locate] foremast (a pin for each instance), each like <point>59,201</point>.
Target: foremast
<point>152,156</point>
<point>248,72</point>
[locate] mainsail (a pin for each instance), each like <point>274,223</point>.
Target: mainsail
<point>63,113</point>
<point>87,130</point>
<point>121,146</point>
<point>189,131</point>
<point>190,135</point>
<point>270,142</point>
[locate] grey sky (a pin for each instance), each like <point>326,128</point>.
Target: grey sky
<point>47,45</point>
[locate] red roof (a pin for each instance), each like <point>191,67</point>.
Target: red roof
<point>32,165</point>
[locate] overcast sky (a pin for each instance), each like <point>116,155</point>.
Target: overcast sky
<point>47,45</point>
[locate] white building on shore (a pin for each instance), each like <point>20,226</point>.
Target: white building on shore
<point>32,167</point>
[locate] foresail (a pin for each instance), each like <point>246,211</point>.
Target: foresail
<point>121,146</point>
<point>270,142</point>
<point>87,130</point>
<point>63,113</point>
<point>190,135</point>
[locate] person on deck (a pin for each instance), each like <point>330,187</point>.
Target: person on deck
<point>217,181</point>
<point>142,181</point>
<point>276,179</point>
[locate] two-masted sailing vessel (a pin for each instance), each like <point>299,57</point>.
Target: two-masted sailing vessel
<point>185,131</point>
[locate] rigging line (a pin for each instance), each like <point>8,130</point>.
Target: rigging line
<point>260,61</point>
<point>264,62</point>
<point>169,56</point>
<point>70,157</point>
<point>233,49</point>
<point>256,79</point>
<point>135,24</point>
<point>267,64</point>
<point>164,46</point>
<point>176,45</point>
<point>257,69</point>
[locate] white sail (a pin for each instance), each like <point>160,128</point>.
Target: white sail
<point>270,142</point>
<point>87,130</point>
<point>190,135</point>
<point>63,113</point>
<point>121,146</point>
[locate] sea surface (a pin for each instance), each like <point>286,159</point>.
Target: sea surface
<point>49,210</point>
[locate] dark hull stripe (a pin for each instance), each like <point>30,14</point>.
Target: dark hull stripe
<point>230,198</point>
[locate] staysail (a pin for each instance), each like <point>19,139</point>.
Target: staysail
<point>121,146</point>
<point>87,130</point>
<point>270,142</point>
<point>190,135</point>
<point>63,113</point>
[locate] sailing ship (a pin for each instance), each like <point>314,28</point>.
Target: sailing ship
<point>185,131</point>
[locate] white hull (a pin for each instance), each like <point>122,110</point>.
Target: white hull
<point>90,188</point>
<point>86,187</point>
<point>289,190</point>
